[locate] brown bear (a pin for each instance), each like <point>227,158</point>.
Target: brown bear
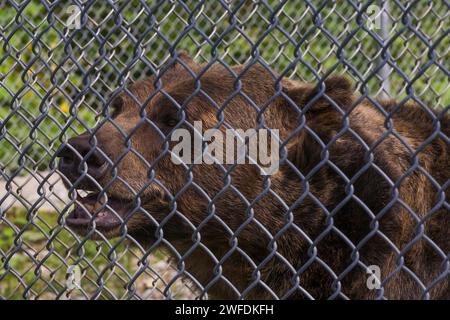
<point>362,184</point>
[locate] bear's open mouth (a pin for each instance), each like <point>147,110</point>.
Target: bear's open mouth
<point>104,213</point>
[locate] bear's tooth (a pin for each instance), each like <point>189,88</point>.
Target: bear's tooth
<point>101,214</point>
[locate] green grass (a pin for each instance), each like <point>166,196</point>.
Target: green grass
<point>35,267</point>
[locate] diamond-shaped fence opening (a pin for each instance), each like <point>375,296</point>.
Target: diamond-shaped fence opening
<point>333,221</point>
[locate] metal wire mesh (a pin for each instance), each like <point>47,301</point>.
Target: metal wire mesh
<point>56,82</point>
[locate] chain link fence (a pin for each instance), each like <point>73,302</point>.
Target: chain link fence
<point>62,63</point>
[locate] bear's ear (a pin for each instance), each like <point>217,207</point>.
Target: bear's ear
<point>180,62</point>
<point>334,91</point>
<point>321,102</point>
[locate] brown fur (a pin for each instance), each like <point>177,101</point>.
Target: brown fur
<point>332,212</point>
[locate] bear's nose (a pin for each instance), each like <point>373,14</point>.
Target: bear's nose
<point>77,153</point>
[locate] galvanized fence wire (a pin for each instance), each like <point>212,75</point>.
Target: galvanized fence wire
<point>57,81</point>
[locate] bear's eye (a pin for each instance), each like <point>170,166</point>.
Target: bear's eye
<point>116,107</point>
<point>171,122</point>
